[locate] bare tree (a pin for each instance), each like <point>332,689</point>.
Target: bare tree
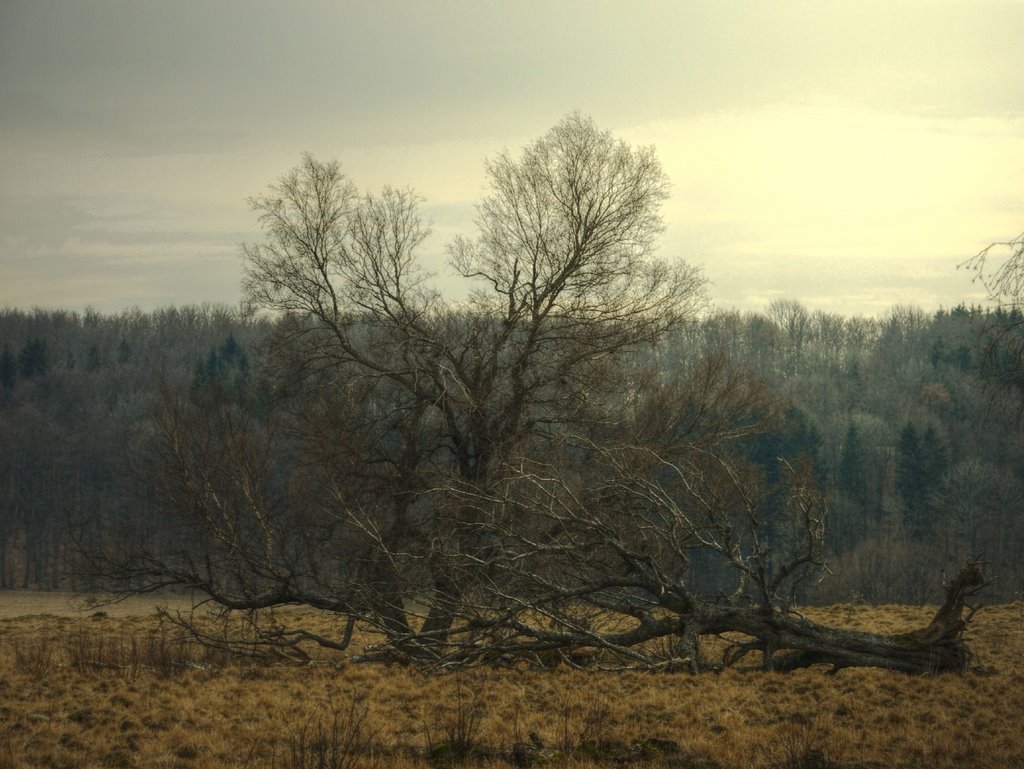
<point>999,267</point>
<point>241,522</point>
<point>794,322</point>
<point>1002,279</point>
<point>436,394</point>
<point>517,468</point>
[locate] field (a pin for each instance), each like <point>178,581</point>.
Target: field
<point>81,689</point>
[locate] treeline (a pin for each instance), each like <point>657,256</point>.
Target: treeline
<point>910,431</point>
<point>922,460</point>
<point>76,390</point>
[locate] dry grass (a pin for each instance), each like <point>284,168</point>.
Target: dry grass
<point>79,691</point>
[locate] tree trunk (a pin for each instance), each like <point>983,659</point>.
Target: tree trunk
<point>444,606</point>
<point>789,642</point>
<point>784,641</point>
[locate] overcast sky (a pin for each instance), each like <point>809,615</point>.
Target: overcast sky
<point>846,154</point>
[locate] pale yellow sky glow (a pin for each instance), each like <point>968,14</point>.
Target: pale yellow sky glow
<point>845,155</point>
<point>847,210</point>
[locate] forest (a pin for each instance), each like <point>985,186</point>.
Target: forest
<point>581,456</point>
<point>923,468</point>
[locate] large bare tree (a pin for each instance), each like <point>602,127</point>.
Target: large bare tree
<point>517,468</point>
<point>436,394</point>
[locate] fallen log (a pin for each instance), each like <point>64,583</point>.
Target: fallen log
<point>789,642</point>
<point>784,640</point>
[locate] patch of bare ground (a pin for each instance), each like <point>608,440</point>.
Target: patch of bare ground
<point>85,690</point>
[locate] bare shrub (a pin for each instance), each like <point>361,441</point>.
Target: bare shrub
<point>88,652</point>
<point>804,748</point>
<point>807,745</point>
<point>454,729</point>
<point>162,653</point>
<point>583,726</point>
<point>33,657</point>
<point>130,654</point>
<point>339,741</point>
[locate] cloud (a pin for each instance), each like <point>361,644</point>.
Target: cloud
<point>199,77</point>
<point>796,132</point>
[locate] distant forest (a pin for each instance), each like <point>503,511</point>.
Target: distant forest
<point>898,416</point>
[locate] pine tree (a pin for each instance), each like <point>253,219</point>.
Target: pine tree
<point>32,360</point>
<point>229,349</point>
<point>124,351</point>
<point>935,460</point>
<point>934,456</point>
<point>853,471</point>
<point>93,359</point>
<point>8,369</point>
<point>921,470</point>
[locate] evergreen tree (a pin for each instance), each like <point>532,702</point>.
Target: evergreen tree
<point>93,359</point>
<point>921,468</point>
<point>8,369</point>
<point>225,368</point>
<point>796,439</point>
<point>853,469</point>
<point>208,372</point>
<point>934,456</point>
<point>124,351</point>
<point>230,349</point>
<point>32,360</point>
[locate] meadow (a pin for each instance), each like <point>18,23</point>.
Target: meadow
<point>82,688</point>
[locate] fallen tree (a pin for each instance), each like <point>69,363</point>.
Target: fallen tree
<point>529,475</point>
<point>785,641</point>
<point>600,571</point>
<point>938,647</point>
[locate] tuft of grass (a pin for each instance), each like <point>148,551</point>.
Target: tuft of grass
<point>806,747</point>
<point>342,740</point>
<point>453,728</point>
<point>8,759</point>
<point>584,725</point>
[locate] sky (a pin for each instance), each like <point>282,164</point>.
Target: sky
<point>845,154</point>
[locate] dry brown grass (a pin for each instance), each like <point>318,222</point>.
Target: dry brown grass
<point>196,712</point>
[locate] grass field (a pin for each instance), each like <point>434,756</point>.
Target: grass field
<point>81,689</point>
